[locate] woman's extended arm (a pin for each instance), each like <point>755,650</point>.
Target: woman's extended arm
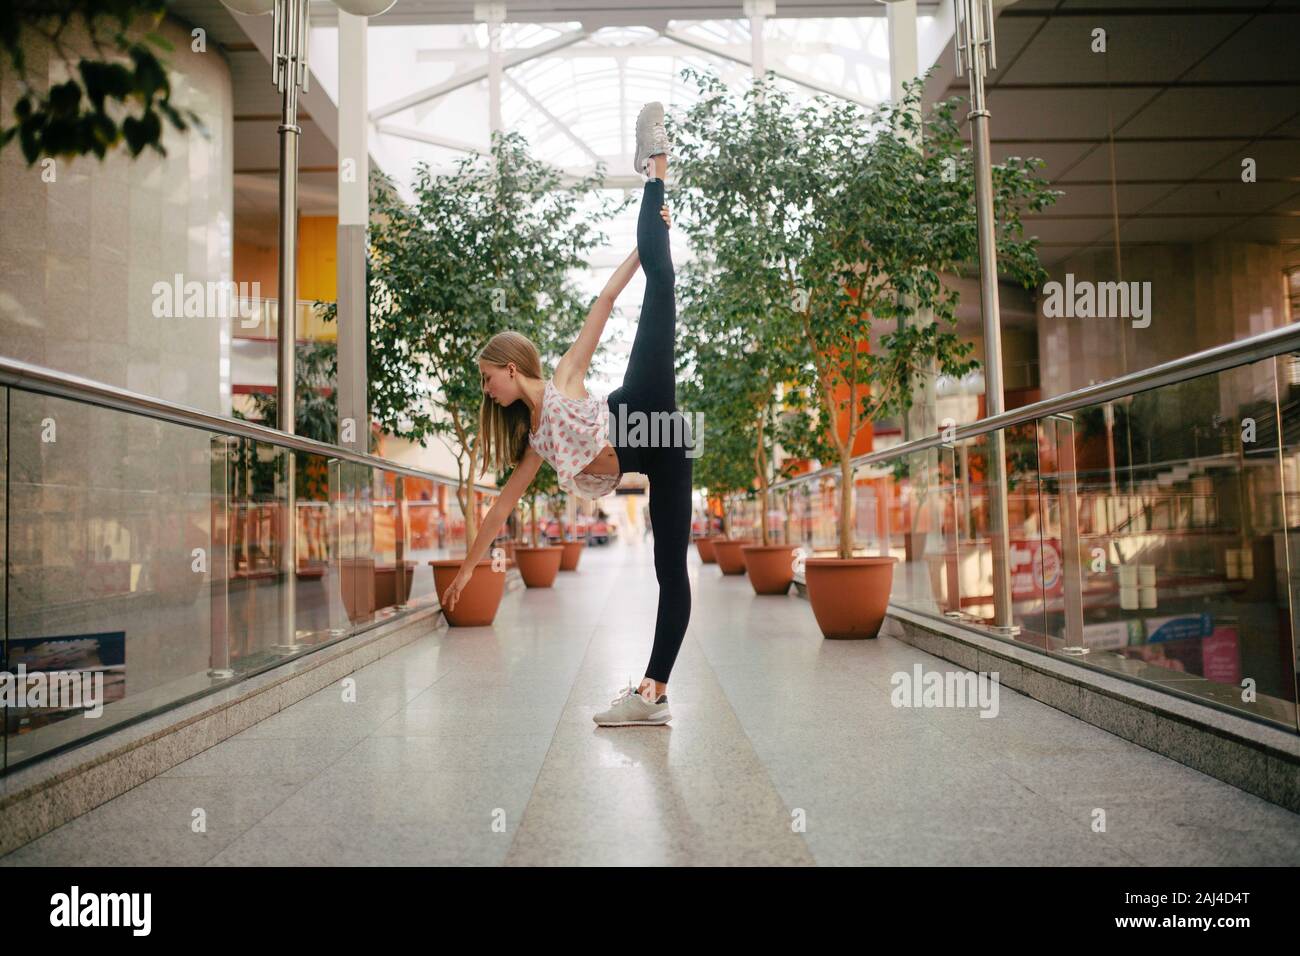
<point>573,366</point>
<point>514,489</point>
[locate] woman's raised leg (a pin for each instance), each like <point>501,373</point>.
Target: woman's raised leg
<point>650,381</point>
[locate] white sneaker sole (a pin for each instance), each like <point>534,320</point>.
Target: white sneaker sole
<point>655,722</point>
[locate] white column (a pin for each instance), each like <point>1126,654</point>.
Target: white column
<point>902,44</point>
<point>494,14</point>
<point>758,11</point>
<point>354,216</point>
<point>354,162</point>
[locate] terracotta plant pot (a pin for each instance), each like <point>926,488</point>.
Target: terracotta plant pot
<point>705,547</point>
<point>539,566</point>
<point>770,567</point>
<point>386,584</point>
<point>357,582</point>
<point>478,602</point>
<point>572,552</point>
<point>849,596</point>
<point>727,551</point>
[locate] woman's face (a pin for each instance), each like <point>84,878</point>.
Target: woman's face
<point>498,384</point>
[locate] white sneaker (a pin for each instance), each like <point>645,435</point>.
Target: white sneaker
<point>651,139</point>
<point>630,709</point>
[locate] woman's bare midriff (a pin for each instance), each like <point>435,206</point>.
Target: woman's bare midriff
<point>605,463</point>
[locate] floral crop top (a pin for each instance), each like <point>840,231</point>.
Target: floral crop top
<point>572,433</point>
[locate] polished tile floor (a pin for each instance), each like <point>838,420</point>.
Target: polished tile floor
<point>476,746</point>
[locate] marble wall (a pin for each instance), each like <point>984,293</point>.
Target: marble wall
<point>1202,295</point>
<point>106,508</point>
<point>79,256</point>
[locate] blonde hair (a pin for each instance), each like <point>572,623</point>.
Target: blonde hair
<point>503,429</point>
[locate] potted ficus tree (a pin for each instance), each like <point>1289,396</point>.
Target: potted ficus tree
<point>724,468</point>
<point>539,562</point>
<point>744,341</point>
<point>875,210</point>
<point>488,246</point>
<point>569,539</point>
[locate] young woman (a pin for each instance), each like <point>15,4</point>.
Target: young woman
<point>525,420</point>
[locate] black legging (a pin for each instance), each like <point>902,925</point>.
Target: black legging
<point>650,385</point>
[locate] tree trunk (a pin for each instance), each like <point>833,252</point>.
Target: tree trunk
<point>464,493</point>
<point>847,520</point>
<point>761,459</point>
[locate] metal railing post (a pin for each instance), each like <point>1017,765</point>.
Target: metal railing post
<point>953,568</point>
<point>219,558</point>
<point>400,594</point>
<point>1068,502</point>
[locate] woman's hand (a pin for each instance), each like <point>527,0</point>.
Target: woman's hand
<point>452,594</point>
<point>663,213</point>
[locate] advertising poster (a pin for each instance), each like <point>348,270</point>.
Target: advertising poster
<point>1036,569</point>
<point>89,654</point>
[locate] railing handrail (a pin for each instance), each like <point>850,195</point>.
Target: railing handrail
<point>46,381</point>
<point>1207,362</point>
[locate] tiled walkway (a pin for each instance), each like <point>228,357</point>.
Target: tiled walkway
<point>476,746</point>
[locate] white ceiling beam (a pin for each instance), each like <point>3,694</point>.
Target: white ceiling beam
<point>431,139</point>
<point>786,47</point>
<point>787,74</point>
<point>567,176</point>
<point>470,77</point>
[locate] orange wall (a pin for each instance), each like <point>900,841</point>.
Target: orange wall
<point>318,258</point>
<point>257,264</point>
<point>317,268</point>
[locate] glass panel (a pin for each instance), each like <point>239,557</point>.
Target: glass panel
<point>4,558</point>
<point>1184,543</point>
<point>426,528</point>
<point>975,573</point>
<point>1151,537</point>
<point>1035,549</point>
<point>921,485</point>
<point>146,562</point>
<point>110,530</point>
<point>1286,512</point>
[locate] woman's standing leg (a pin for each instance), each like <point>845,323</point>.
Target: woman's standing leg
<point>670,517</point>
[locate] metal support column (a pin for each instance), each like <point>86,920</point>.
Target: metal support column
<point>976,55</point>
<point>289,67</point>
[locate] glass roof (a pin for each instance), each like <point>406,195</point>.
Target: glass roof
<point>577,105</point>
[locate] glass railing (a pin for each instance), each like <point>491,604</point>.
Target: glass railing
<point>259,318</point>
<point>143,552</point>
<point>1154,525</point>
